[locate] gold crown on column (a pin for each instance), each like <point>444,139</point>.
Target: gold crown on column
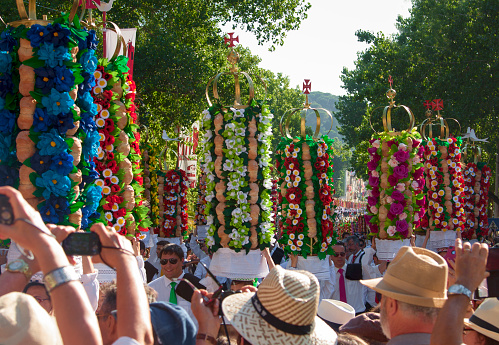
<point>29,18</point>
<point>233,58</point>
<point>434,118</point>
<point>387,111</point>
<point>307,87</point>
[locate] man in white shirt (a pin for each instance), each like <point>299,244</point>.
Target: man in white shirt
<point>152,265</point>
<point>346,290</point>
<point>172,258</point>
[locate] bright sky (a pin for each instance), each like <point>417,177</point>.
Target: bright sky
<point>330,29</point>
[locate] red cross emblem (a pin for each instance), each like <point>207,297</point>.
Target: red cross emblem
<point>231,39</point>
<point>390,80</point>
<point>307,86</point>
<point>437,104</point>
<point>427,104</point>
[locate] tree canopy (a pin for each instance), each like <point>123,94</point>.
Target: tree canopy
<point>446,49</point>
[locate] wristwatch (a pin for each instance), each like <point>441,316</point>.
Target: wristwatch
<point>19,266</point>
<point>458,289</point>
<point>59,276</point>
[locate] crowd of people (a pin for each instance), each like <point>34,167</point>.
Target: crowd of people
<point>417,298</point>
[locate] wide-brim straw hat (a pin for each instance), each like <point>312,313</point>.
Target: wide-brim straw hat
<point>485,320</point>
<point>282,311</point>
<point>416,276</point>
<point>335,313</point>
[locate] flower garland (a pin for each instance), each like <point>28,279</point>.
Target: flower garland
<point>236,159</point>
<point>274,198</point>
<point>9,165</point>
<point>395,189</point>
<point>155,190</point>
<point>175,203</point>
<point>475,197</point>
<point>200,216</point>
<point>307,187</point>
<point>444,184</point>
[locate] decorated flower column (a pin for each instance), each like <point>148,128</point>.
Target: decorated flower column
<point>476,176</point>
<point>395,188</point>
<point>236,157</point>
<point>444,182</point>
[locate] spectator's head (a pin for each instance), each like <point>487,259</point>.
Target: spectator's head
<point>107,314</point>
<point>171,260</point>
<point>40,293</point>
<point>362,243</point>
<point>335,313</point>
<point>483,326</point>
<point>339,256</point>
<point>171,324</point>
<point>159,246</point>
<point>253,314</point>
<point>142,248</point>
<point>24,321</point>
<point>353,244</point>
<point>413,289</point>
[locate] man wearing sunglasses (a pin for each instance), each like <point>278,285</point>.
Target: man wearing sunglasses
<point>171,260</point>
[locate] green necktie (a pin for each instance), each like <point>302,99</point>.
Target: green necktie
<point>173,295</point>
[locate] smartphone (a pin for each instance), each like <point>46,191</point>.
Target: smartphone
<point>6,213</point>
<point>490,286</point>
<point>82,243</point>
<point>451,254</point>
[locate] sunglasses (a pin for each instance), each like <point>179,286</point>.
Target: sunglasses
<point>173,261</point>
<point>339,254</point>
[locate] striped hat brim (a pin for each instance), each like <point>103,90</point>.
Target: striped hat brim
<point>239,310</point>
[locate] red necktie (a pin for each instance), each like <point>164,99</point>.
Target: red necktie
<point>354,257</point>
<point>343,293</point>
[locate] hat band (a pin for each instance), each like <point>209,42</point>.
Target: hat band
<point>484,324</point>
<point>277,323</point>
<point>411,288</point>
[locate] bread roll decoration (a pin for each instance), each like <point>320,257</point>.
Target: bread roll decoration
<point>236,165</point>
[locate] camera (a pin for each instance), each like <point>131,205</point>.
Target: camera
<point>82,243</point>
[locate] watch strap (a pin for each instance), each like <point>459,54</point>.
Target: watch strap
<point>458,289</point>
<point>59,276</point>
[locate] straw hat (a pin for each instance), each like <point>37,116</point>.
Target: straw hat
<point>416,276</point>
<point>283,311</point>
<point>24,321</point>
<point>485,320</point>
<point>335,313</point>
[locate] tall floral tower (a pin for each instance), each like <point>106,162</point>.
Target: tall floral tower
<point>48,135</point>
<point>236,159</point>
<point>395,189</point>
<point>443,177</point>
<point>305,166</point>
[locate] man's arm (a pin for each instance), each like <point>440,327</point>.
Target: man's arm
<point>470,271</point>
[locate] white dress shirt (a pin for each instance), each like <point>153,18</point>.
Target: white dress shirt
<point>355,291</point>
<point>163,287</point>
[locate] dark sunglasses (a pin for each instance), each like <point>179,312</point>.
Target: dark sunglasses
<point>339,254</point>
<point>173,261</point>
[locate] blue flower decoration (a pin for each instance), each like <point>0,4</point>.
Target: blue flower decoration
<point>7,121</point>
<point>90,145</point>
<point>45,79</point>
<point>40,163</point>
<point>53,56</point>
<point>5,143</point>
<point>6,84</point>
<point>87,122</point>
<point>7,42</point>
<point>86,103</point>
<point>87,84</point>
<point>54,184</point>
<point>58,35</point>
<point>42,122</point>
<point>61,205</point>
<point>2,103</point>
<point>36,34</point>
<point>51,143</point>
<point>5,62</point>
<point>89,62</point>
<point>64,122</point>
<point>49,214</point>
<point>57,102</point>
<point>64,80</point>
<point>62,163</point>
<point>8,175</point>
<point>92,40</point>
<point>94,196</point>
